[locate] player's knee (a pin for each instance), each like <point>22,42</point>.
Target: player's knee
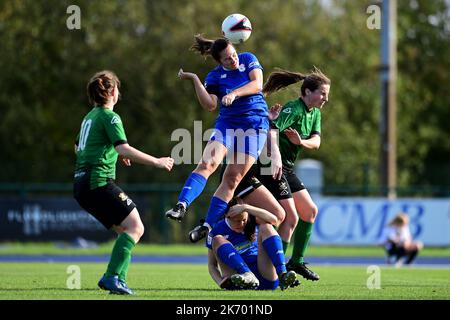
<point>266,230</point>
<point>293,221</point>
<point>206,167</point>
<point>280,214</point>
<point>136,232</point>
<point>217,241</point>
<point>312,213</point>
<point>231,181</point>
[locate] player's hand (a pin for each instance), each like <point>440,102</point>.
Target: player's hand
<point>276,166</point>
<point>274,111</point>
<point>125,161</point>
<point>165,163</point>
<point>228,99</point>
<point>293,136</point>
<point>186,75</point>
<point>235,210</point>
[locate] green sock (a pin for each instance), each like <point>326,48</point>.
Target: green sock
<point>301,240</point>
<point>285,246</point>
<point>121,255</point>
<point>123,273</point>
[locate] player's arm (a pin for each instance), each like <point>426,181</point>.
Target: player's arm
<point>313,143</point>
<point>253,87</point>
<point>261,215</point>
<point>213,268</point>
<point>127,151</point>
<point>275,155</point>
<point>207,101</point>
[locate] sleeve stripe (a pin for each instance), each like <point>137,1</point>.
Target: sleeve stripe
<point>119,142</point>
<point>315,133</point>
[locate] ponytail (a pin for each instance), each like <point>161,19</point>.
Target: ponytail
<point>280,79</point>
<point>207,47</point>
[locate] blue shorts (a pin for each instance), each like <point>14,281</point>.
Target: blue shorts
<point>264,284</point>
<point>246,135</point>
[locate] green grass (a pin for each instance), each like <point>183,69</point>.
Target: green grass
<point>194,249</point>
<point>47,281</point>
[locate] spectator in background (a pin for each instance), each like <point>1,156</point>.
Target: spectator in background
<point>397,241</point>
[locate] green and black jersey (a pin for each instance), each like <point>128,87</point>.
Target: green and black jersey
<point>295,114</point>
<point>101,131</point>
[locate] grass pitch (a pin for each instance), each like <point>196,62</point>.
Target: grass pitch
<point>48,281</point>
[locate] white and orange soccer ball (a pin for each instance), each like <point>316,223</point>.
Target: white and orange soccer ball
<point>236,28</point>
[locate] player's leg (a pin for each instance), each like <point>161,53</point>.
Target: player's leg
<point>412,250</point>
<point>307,210</point>
<point>286,229</point>
<point>271,259</point>
<point>245,148</point>
<point>219,203</point>
<point>262,198</point>
<point>213,154</point>
<point>118,212</point>
<point>281,191</point>
<point>232,265</point>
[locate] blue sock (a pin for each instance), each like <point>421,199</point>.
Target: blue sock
<point>274,248</point>
<point>217,209</point>
<point>228,255</point>
<point>193,187</point>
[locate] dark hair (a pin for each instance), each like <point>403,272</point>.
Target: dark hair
<point>100,87</point>
<point>280,79</point>
<point>250,228</point>
<point>210,47</point>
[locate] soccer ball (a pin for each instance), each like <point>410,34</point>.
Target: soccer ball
<point>236,28</point>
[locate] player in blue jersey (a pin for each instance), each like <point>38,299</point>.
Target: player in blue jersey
<point>240,130</point>
<point>245,251</point>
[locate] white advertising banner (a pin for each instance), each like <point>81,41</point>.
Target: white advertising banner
<point>360,221</point>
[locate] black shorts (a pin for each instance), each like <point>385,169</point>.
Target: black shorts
<point>108,204</point>
<point>294,182</point>
<point>278,188</point>
<point>248,184</point>
<point>254,179</point>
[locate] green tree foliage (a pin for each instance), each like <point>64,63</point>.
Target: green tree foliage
<point>45,67</point>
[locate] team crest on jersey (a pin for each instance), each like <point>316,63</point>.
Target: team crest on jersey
<point>287,110</point>
<point>241,67</point>
<point>223,76</point>
<point>115,120</point>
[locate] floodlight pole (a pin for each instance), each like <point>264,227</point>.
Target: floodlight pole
<point>388,74</point>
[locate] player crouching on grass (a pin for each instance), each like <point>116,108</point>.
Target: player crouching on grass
<point>246,252</point>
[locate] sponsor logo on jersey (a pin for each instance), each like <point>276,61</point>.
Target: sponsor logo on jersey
<point>115,120</point>
<point>223,76</point>
<point>241,67</point>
